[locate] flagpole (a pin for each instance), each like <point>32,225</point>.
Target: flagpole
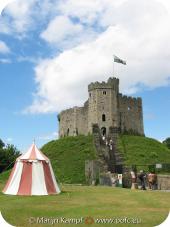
<point>113,64</point>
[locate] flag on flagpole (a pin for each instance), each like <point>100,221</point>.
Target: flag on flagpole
<point>118,60</point>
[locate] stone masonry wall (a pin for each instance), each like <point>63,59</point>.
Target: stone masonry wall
<point>130,114</point>
<point>164,182</point>
<point>73,121</point>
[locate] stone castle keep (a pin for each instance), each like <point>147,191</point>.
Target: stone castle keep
<point>105,107</point>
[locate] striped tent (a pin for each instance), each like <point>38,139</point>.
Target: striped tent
<point>32,174</point>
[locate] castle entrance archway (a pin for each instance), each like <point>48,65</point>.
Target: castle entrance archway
<point>103,131</point>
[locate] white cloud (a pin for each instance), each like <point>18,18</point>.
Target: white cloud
<point>166,4</point>
<point>4,49</point>
<point>5,61</point>
<point>74,23</point>
<point>63,33</point>
<point>62,81</point>
<point>21,16</point>
<point>4,3</point>
<point>61,28</point>
<point>88,11</point>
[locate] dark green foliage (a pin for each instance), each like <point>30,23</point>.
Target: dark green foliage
<point>153,155</point>
<point>167,142</point>
<point>165,169</point>
<point>68,157</point>
<point>4,176</point>
<point>127,180</point>
<point>1,144</point>
<point>8,155</point>
<point>152,169</point>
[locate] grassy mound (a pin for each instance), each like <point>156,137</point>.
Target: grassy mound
<point>141,150</point>
<point>68,157</point>
<point>68,154</point>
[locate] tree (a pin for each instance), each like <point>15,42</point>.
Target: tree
<point>1,144</point>
<point>167,142</point>
<point>8,155</point>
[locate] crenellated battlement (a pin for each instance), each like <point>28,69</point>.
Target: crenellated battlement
<point>130,99</point>
<point>112,83</point>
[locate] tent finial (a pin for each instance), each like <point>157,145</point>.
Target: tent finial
<point>34,141</point>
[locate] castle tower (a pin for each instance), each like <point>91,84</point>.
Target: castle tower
<point>103,105</point>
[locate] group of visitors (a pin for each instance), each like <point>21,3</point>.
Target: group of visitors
<point>143,178</point>
<point>108,142</point>
<point>149,179</point>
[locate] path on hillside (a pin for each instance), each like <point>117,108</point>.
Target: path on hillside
<point>109,157</point>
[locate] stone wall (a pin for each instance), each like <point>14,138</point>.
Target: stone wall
<point>73,121</point>
<point>164,182</point>
<point>130,114</point>
<point>67,122</point>
<point>91,171</point>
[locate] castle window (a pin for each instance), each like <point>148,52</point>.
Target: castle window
<point>129,108</point>
<point>104,92</point>
<point>68,132</point>
<point>90,94</point>
<point>103,117</point>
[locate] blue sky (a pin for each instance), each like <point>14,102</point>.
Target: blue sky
<point>50,50</point>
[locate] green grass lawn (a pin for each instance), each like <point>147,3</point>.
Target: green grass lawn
<point>86,201</point>
<point>142,150</point>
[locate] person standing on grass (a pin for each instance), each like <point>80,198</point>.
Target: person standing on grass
<point>152,181</point>
<point>142,177</point>
<point>133,176</point>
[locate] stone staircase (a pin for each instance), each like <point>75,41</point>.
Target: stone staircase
<point>113,134</point>
<point>109,157</point>
<point>102,153</point>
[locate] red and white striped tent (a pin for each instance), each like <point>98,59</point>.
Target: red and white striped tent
<point>32,174</point>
